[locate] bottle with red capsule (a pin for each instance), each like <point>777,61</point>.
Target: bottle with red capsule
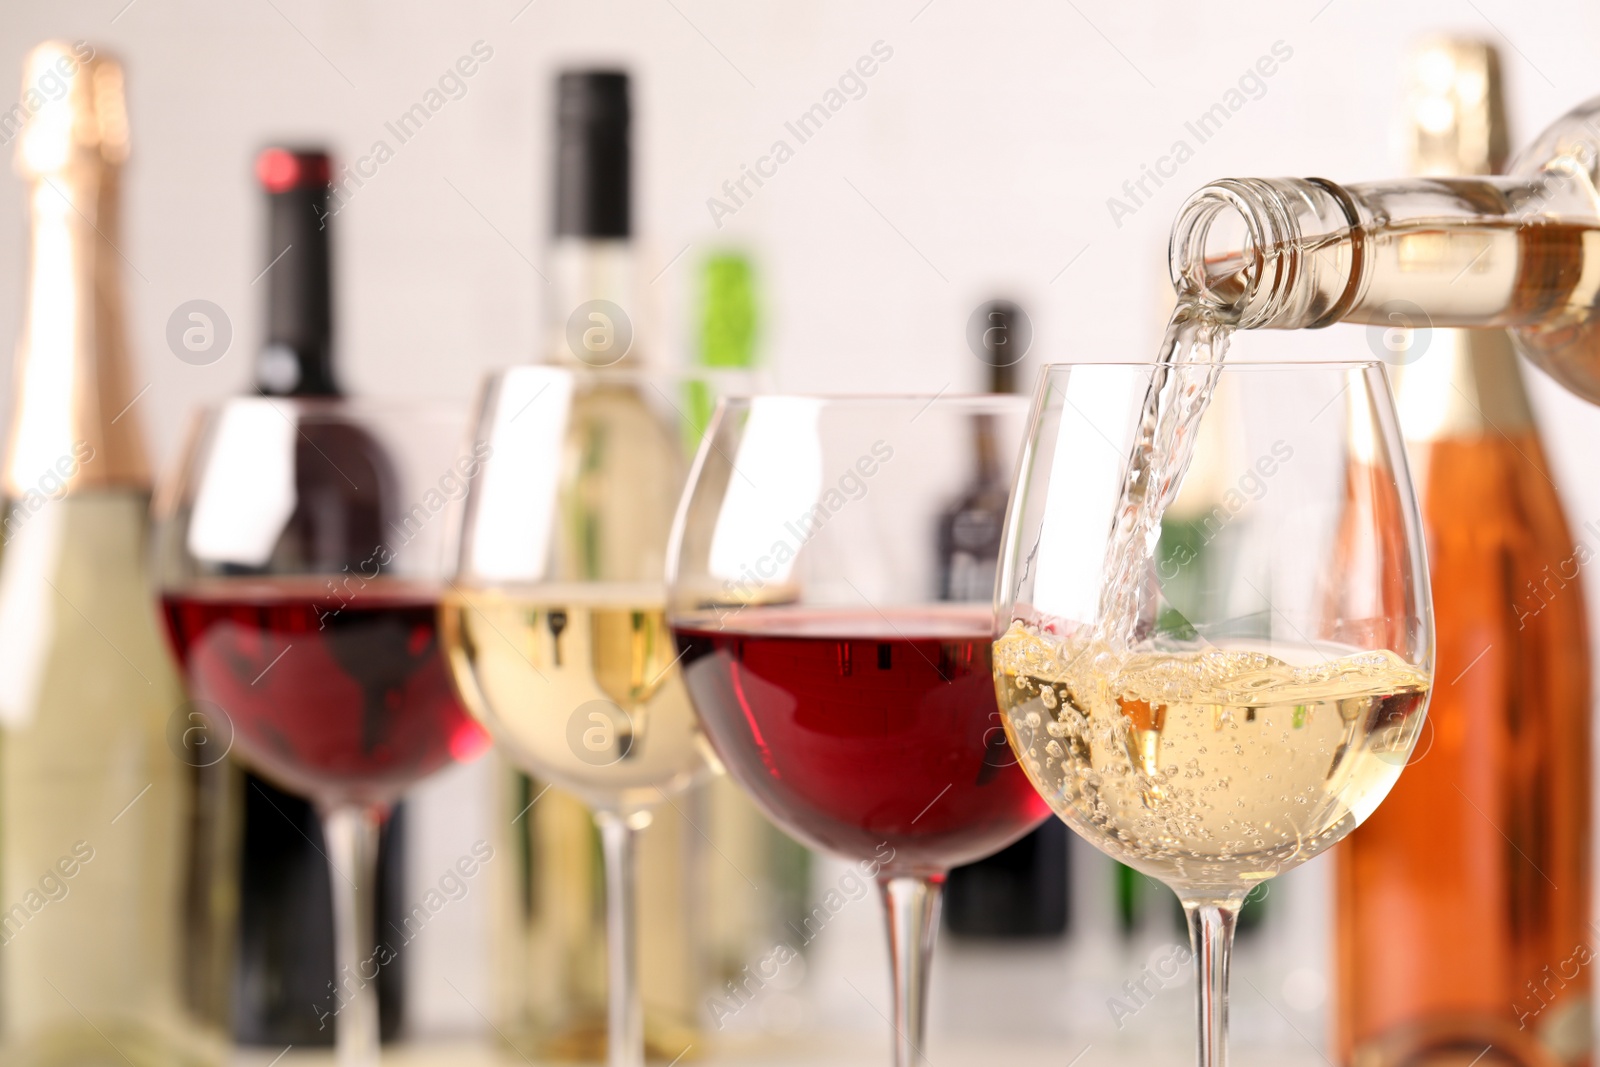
<point>284,970</point>
<point>297,358</point>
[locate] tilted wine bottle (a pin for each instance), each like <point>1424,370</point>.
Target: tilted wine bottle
<point>116,824</point>
<point>285,967</point>
<point>1519,252</point>
<point>1464,897</point>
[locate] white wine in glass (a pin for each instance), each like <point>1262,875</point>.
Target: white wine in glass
<point>1213,727</point>
<point>1209,769</point>
<point>551,670</point>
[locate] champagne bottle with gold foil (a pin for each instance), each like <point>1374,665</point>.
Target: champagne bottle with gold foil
<point>115,828</point>
<point>1463,902</point>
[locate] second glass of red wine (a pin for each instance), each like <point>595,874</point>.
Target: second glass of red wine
<point>839,682</point>
<point>299,555</point>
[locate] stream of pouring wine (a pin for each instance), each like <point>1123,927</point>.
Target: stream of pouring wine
<point>1181,385</point>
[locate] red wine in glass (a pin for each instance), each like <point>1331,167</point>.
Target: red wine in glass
<point>856,730</point>
<point>342,698</point>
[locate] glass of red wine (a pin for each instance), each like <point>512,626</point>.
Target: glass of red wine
<point>300,554</point>
<point>841,677</point>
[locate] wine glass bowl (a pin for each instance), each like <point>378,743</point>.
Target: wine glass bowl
<point>837,648</point>
<point>1129,758</point>
<point>555,625</point>
<point>555,622</point>
<point>579,687</point>
<point>868,738</point>
<point>300,558</point>
<point>1236,681</point>
<point>1280,669</point>
<point>299,554</point>
<point>348,704</point>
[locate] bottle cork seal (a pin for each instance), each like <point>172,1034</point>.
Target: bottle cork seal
<point>1455,108</point>
<point>72,103</point>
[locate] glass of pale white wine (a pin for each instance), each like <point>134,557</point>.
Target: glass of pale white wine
<point>1217,636</point>
<point>554,622</point>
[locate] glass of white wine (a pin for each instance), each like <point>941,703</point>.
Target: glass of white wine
<point>1232,681</point>
<point>555,621</point>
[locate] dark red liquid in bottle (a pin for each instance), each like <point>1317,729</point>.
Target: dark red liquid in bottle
<point>858,731</point>
<point>334,699</point>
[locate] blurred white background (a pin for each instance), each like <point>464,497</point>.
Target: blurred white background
<point>978,162</point>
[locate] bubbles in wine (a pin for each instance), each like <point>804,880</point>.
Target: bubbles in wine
<point>1214,768</point>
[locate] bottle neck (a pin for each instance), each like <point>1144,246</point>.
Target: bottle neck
<point>1291,253</point>
<point>999,337</point>
<point>986,450</point>
<point>592,315</point>
<point>1456,385</point>
<point>1269,253</point>
<point>297,356</point>
<point>728,317</point>
<point>72,422</point>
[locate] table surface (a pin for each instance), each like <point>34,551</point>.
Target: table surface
<point>843,1050</point>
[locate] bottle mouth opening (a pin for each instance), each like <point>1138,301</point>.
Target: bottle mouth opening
<point>1216,256</point>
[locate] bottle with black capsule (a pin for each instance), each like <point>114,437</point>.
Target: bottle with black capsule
<point>1020,892</point>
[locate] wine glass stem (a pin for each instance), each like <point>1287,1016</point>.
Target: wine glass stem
<point>351,831</point>
<point>912,905</point>
<point>619,835</point>
<point>1211,927</point>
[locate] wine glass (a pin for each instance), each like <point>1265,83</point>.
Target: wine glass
<point>840,673</point>
<point>1234,683</point>
<point>555,624</point>
<point>299,550</point>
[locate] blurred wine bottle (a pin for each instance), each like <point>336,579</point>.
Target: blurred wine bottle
<point>729,326</point>
<point>116,855</point>
<point>285,966</point>
<point>1020,891</point>
<point>757,878</point>
<point>552,962</point>
<point>1463,902</point>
